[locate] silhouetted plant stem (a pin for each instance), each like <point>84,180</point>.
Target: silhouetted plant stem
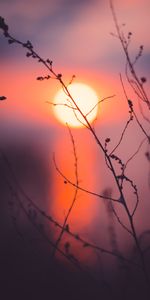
<point>50,219</point>
<point>137,86</point>
<point>74,197</point>
<point>134,234</point>
<point>48,64</point>
<point>140,91</point>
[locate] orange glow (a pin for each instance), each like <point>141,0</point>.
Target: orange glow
<point>85,207</point>
<point>27,98</point>
<point>86,99</point>
<point>64,192</point>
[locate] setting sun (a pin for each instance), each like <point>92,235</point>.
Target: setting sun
<point>86,99</point>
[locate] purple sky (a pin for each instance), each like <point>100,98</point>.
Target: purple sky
<point>77,33</point>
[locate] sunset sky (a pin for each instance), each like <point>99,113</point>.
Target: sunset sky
<point>76,36</point>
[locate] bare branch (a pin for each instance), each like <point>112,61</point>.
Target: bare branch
<point>75,193</point>
<point>99,102</point>
<point>79,187</point>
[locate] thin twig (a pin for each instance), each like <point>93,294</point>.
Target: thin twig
<point>75,193</point>
<point>99,102</point>
<point>50,219</point>
<point>79,187</point>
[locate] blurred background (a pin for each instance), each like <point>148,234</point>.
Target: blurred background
<point>76,36</point>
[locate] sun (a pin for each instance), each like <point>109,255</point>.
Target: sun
<point>86,99</point>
